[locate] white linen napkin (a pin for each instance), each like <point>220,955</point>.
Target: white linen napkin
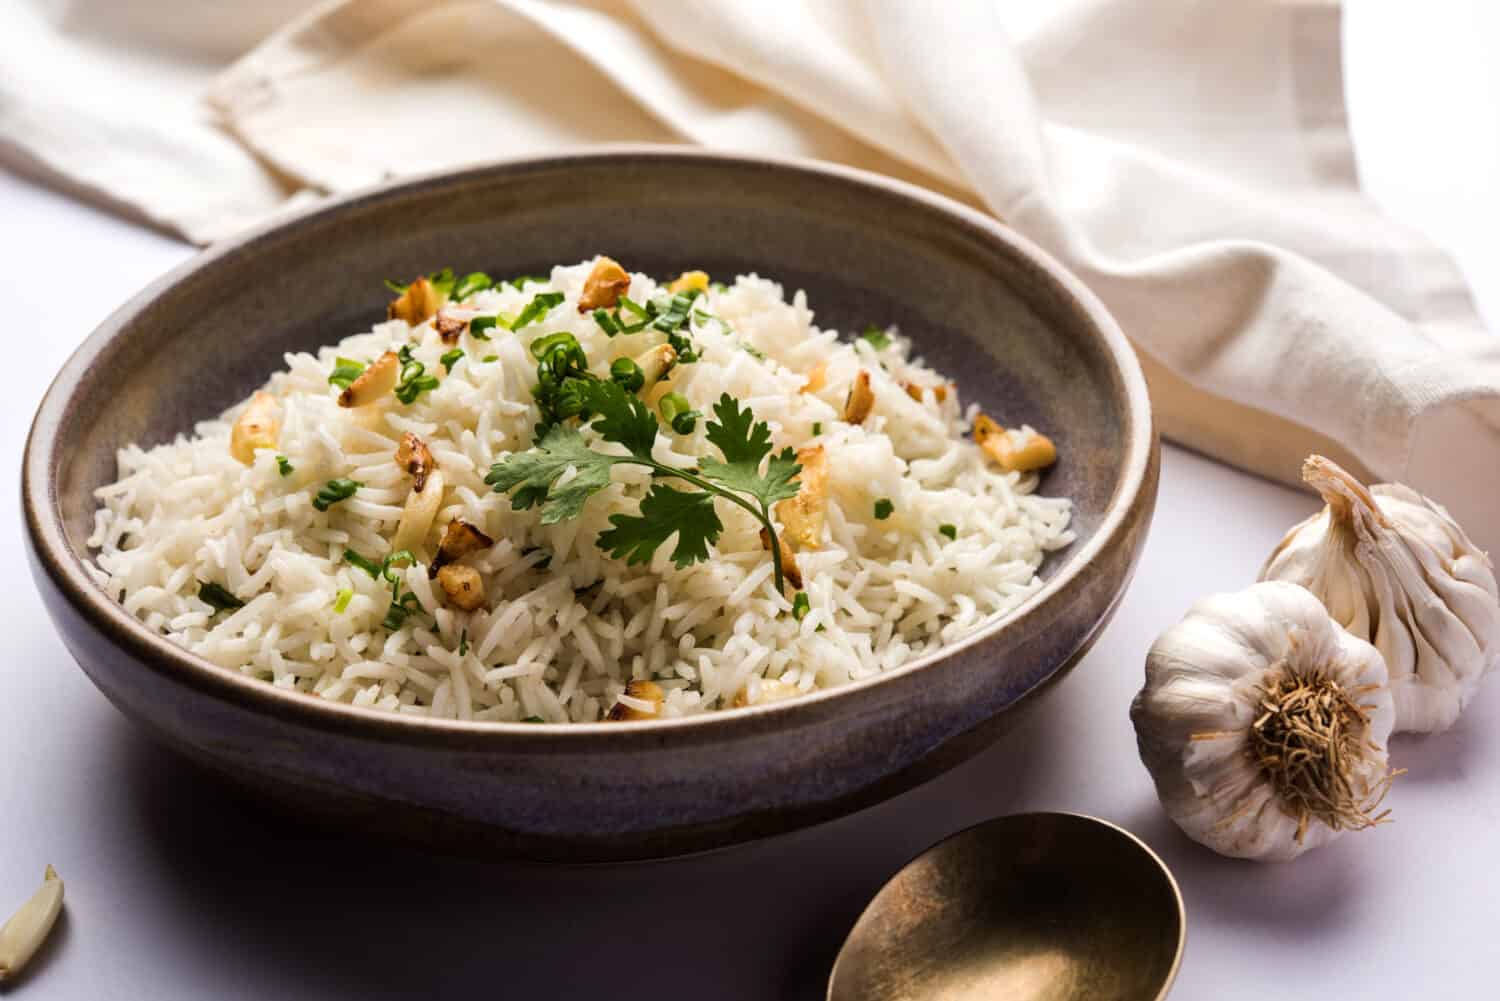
<point>1188,158</point>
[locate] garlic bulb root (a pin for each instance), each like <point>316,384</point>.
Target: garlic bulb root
<point>1263,724</point>
<point>1305,739</point>
<point>1395,569</point>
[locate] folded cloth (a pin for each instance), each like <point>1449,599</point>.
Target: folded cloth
<point>1189,159</point>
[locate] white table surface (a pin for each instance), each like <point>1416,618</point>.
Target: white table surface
<point>182,888</point>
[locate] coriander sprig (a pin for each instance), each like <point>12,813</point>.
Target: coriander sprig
<point>745,444</point>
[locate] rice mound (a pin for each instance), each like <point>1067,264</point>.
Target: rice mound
<point>566,626</point>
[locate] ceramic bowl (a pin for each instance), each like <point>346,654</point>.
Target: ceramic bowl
<point>1022,336</point>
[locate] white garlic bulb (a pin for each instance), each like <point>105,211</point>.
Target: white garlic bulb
<point>1264,724</point>
<point>1393,568</point>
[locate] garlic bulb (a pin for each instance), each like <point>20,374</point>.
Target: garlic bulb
<point>1393,568</point>
<point>1264,724</point>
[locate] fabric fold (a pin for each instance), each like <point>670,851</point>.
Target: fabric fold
<point>1189,159</point>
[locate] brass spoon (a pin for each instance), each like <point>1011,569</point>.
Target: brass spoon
<point>1030,907</point>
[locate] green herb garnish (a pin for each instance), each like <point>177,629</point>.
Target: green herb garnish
<point>679,413</point>
<point>801,605</point>
<point>442,281</point>
<point>401,605</point>
<point>471,284</point>
<point>876,337</point>
<point>883,509</point>
<point>284,466</point>
<point>533,719</point>
<point>413,380</point>
<point>817,428</point>
<point>540,305</point>
<point>607,323</point>
<point>216,597</point>
<point>463,643</point>
<point>489,358</point>
<point>624,419</point>
<point>519,282</point>
<point>753,351</point>
<point>951,531</point>
<point>451,358</point>
<point>628,374</point>
<point>342,599</point>
<point>345,371</point>
<point>366,564</point>
<point>334,491</point>
<point>479,326</point>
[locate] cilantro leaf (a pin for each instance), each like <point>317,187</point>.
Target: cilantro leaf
<point>536,472</point>
<point>737,433</point>
<point>688,513</point>
<point>622,417</point>
<point>777,483</point>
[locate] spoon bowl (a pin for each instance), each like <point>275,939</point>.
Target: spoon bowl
<point>1029,907</point>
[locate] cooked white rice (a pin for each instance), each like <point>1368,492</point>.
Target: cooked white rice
<point>566,625</point>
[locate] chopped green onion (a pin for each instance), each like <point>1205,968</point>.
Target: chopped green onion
<point>801,606</point>
<point>414,382</point>
<point>878,339</point>
<point>334,491</point>
<point>627,373</point>
<point>519,282</point>
<point>545,344</point>
<point>217,597</point>
<point>442,280</point>
<point>470,284</point>
<point>489,358</point>
<point>452,358</point>
<point>678,412</point>
<point>607,323</point>
<point>405,557</point>
<point>951,531</point>
<point>533,719</point>
<point>341,601</point>
<point>285,466</point>
<point>480,324</point>
<point>400,608</point>
<point>753,351</point>
<point>463,643</point>
<point>540,305</point>
<point>366,564</point>
<point>883,509</point>
<point>395,286</point>
<point>345,371</point>
<point>817,428</point>
<point>676,312</point>
<point>630,304</point>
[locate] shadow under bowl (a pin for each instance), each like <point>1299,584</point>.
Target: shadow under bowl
<point>1024,339</point>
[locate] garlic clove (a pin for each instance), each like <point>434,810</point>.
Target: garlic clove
<point>1394,568</point>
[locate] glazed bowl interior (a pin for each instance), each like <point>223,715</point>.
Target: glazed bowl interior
<point>209,340</point>
<point>1021,338</point>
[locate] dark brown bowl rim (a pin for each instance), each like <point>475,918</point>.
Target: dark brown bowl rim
<point>65,566</point>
